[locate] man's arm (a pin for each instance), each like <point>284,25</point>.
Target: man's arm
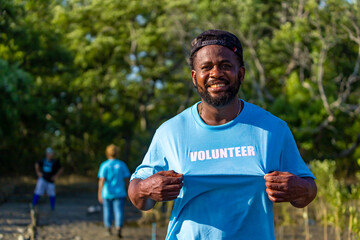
<point>100,187</point>
<point>162,186</point>
<point>37,169</point>
<point>138,196</point>
<point>312,189</point>
<point>58,173</point>
<point>287,187</point>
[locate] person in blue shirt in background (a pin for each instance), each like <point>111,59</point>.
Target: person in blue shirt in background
<point>112,188</point>
<point>223,160</point>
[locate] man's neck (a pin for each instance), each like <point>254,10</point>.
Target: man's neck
<point>219,115</point>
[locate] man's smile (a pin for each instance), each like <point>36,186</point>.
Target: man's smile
<point>217,86</point>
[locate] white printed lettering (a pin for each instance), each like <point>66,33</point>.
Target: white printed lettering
<point>201,155</point>
<point>215,153</point>
<point>251,151</point>
<point>237,152</point>
<point>240,151</point>
<point>223,153</point>
<point>193,156</point>
<point>207,153</point>
<point>243,151</point>
<point>231,153</point>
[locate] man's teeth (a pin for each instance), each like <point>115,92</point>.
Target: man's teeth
<point>217,85</point>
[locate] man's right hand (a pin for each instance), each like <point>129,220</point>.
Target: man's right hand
<point>100,199</point>
<point>162,186</point>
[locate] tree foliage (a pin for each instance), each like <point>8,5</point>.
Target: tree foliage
<point>81,74</point>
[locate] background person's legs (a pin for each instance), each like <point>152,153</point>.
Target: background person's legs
<point>35,199</point>
<point>50,191</point>
<point>108,213</point>
<point>39,190</point>
<point>52,202</point>
<point>119,214</point>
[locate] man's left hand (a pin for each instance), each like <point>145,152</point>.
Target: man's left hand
<point>287,187</point>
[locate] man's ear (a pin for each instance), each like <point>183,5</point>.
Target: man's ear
<point>193,76</point>
<point>241,74</point>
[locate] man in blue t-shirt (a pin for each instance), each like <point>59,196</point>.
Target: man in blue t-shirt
<point>113,180</point>
<point>224,161</point>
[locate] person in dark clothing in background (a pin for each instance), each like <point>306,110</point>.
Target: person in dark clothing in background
<point>47,170</point>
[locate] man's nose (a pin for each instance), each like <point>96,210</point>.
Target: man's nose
<point>216,72</point>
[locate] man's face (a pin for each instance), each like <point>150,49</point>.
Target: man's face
<point>49,156</point>
<point>217,75</point>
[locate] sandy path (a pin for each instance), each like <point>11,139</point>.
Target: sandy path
<point>71,219</point>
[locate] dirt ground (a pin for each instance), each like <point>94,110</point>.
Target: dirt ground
<point>72,219</point>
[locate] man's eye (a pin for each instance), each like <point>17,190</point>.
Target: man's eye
<point>205,67</point>
<point>226,66</point>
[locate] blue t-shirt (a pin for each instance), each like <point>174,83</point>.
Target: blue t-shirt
<point>115,172</point>
<point>223,194</point>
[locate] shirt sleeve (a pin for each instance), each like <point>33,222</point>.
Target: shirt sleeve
<point>126,172</point>
<point>101,173</point>
<point>290,160</point>
<point>154,160</point>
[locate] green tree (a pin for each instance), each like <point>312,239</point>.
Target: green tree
<point>113,71</point>
<point>33,66</point>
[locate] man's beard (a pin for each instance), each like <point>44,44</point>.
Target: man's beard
<point>221,100</point>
